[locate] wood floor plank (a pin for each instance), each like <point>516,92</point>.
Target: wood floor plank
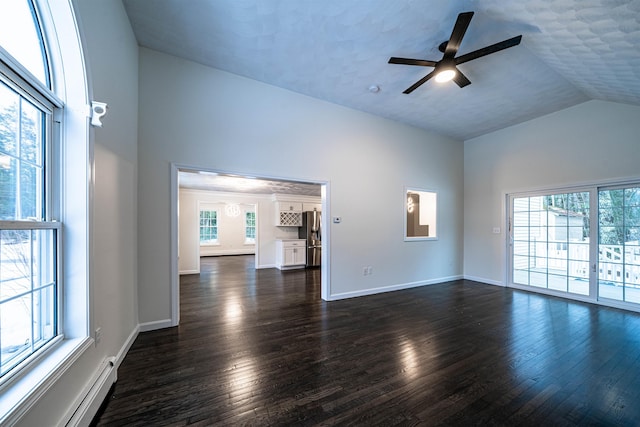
<point>259,347</point>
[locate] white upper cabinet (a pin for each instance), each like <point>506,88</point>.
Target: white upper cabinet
<point>288,214</point>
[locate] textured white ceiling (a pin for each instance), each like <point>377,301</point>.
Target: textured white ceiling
<point>237,184</point>
<point>571,51</point>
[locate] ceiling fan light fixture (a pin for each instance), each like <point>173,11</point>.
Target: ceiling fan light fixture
<point>445,75</point>
<point>446,69</point>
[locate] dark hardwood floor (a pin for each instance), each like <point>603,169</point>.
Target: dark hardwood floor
<point>261,348</point>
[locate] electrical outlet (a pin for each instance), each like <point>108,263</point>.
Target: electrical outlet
<point>98,335</point>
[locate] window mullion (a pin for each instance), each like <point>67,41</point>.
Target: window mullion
<point>18,208</point>
<point>594,231</point>
<point>623,244</point>
<point>31,278</point>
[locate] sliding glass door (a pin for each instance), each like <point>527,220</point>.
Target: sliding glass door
<point>550,241</point>
<point>584,243</point>
<point>619,244</point>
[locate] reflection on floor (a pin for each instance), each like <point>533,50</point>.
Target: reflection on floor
<point>259,347</point>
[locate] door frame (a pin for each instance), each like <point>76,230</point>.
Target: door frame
<point>593,249</point>
<point>325,268</point>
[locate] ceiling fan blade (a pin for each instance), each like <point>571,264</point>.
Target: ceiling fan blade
<point>462,23</point>
<point>489,49</point>
<point>460,79</point>
<point>408,61</point>
<point>419,83</point>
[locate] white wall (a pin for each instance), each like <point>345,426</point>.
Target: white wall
<point>112,55</point>
<point>205,118</point>
<point>591,142</point>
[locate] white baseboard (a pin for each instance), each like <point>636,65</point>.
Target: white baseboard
<point>181,272</point>
<point>484,280</point>
<point>156,324</point>
<point>228,252</point>
<point>391,288</point>
<point>94,394</point>
<point>127,345</point>
<point>265,266</point>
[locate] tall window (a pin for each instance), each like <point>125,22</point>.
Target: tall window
<point>29,285</point>
<point>250,227</point>
<point>208,227</point>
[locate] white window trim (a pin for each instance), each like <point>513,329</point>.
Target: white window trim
<point>69,80</point>
<point>25,391</point>
<point>248,241</point>
<point>31,90</point>
<point>204,206</point>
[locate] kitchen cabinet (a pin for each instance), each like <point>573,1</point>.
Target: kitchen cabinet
<point>288,214</point>
<point>309,207</point>
<point>291,253</point>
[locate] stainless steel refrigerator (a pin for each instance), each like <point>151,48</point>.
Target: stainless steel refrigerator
<point>311,232</point>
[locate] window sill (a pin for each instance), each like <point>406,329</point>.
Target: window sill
<point>208,245</point>
<point>20,394</point>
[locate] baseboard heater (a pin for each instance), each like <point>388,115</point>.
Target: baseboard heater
<point>98,391</point>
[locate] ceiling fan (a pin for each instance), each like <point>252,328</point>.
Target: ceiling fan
<point>445,69</point>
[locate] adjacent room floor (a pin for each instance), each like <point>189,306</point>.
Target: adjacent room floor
<point>261,348</point>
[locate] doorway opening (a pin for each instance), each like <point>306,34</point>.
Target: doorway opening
<point>249,198</point>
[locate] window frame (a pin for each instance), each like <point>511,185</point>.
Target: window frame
<point>619,279</point>
<point>250,240</point>
<point>213,242</point>
<point>31,90</point>
<point>549,258</point>
<point>58,336</point>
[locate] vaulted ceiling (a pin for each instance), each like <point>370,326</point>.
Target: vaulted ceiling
<point>335,50</point>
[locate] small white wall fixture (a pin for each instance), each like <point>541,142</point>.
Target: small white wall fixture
<point>98,111</point>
